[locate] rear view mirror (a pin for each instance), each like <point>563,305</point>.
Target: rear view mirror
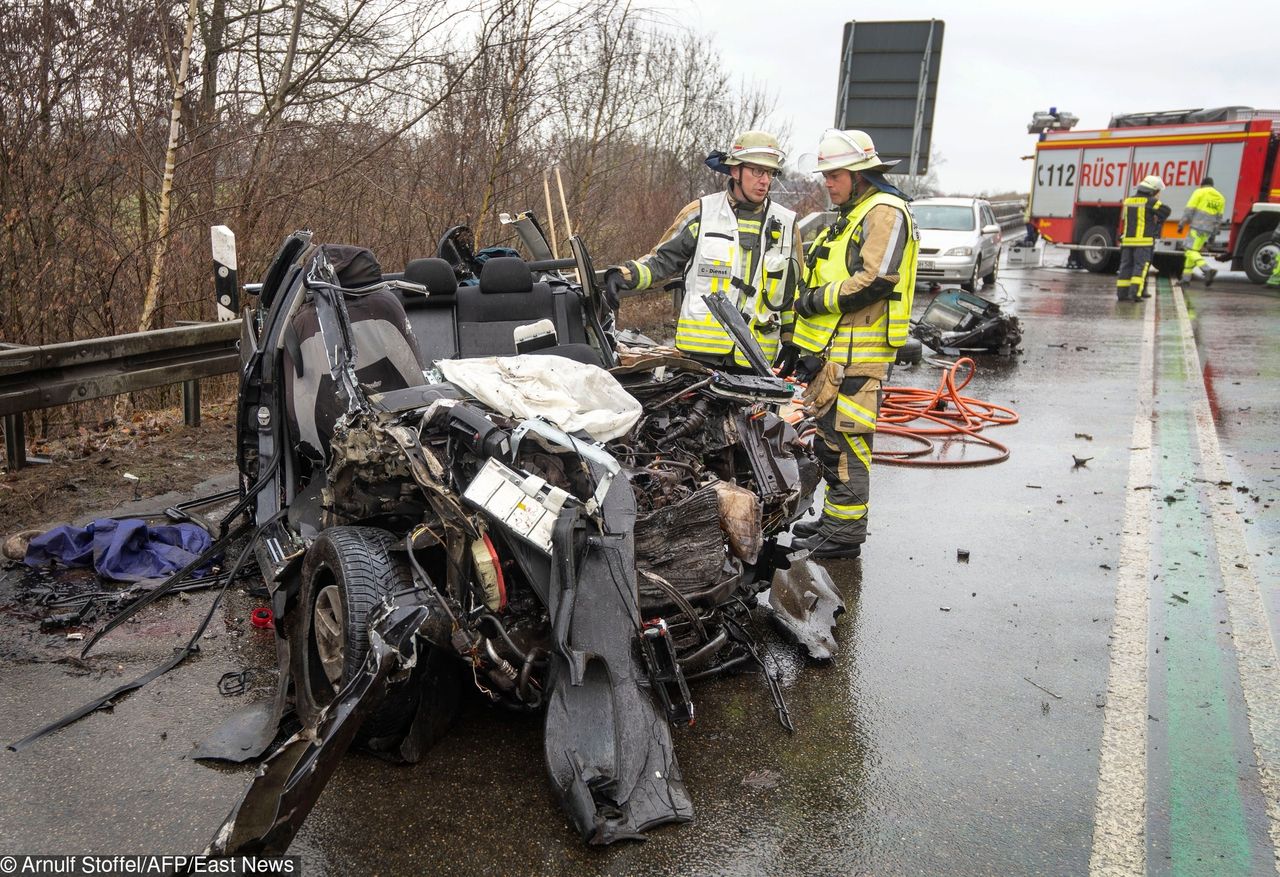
<point>991,229</point>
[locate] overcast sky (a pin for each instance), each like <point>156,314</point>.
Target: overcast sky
<point>1002,61</point>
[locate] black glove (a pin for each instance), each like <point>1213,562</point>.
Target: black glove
<point>613,286</point>
<point>807,369</point>
<point>809,302</point>
<point>788,356</point>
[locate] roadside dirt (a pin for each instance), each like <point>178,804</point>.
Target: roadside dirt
<point>86,469</point>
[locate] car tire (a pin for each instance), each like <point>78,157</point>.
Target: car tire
<point>971,285</point>
<point>911,352</point>
<point>990,279</point>
<point>346,575</point>
<point>1099,261</point>
<point>1260,258</point>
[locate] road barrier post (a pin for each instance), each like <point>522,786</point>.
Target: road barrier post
<point>15,442</point>
<point>191,402</point>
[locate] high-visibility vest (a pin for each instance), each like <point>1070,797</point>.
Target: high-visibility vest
<point>1140,224</point>
<point>718,260</point>
<point>838,334</point>
<point>1204,209</point>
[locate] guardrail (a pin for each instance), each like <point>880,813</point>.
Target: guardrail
<point>47,376</point>
<point>1010,214</point>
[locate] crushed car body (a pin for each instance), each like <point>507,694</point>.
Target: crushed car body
<point>452,484</point>
<point>583,541</point>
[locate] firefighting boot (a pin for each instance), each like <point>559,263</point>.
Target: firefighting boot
<point>806,528</point>
<point>824,547</point>
<point>1209,274</point>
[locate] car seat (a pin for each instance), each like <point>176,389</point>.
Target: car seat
<point>505,298</point>
<point>386,359</point>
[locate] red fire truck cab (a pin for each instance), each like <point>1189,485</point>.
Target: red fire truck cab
<point>1082,176</point>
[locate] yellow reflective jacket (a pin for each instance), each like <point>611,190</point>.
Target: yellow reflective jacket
<point>871,334</point>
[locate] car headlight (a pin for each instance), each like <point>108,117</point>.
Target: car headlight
<point>959,251</point>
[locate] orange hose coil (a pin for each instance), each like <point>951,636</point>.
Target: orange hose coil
<point>948,415</point>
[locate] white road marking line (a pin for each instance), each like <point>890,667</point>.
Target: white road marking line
<point>1250,628</point>
<point>1120,812</point>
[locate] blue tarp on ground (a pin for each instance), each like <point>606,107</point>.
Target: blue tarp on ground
<point>125,551</point>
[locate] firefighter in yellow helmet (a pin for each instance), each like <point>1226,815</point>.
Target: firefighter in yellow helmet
<point>1142,215</point>
<point>738,241</point>
<point>852,315</point>
<point>1204,214</point>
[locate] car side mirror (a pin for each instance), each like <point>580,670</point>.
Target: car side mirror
<point>991,229</point>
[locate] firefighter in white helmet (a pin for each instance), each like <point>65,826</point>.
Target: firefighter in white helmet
<point>852,314</point>
<point>738,241</point>
<point>1141,218</point>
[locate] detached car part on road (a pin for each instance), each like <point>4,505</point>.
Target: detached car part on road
<point>585,559</point>
<point>957,321</point>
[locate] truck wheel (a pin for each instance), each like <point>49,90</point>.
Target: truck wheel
<point>1099,261</point>
<point>1260,258</point>
<point>347,573</point>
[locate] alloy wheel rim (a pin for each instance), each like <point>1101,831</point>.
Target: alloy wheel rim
<point>327,624</point>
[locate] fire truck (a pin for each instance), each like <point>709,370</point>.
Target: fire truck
<point>1082,176</point>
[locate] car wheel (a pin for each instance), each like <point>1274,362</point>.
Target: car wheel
<point>346,575</point>
<point>971,285</point>
<point>1097,260</point>
<point>911,352</point>
<point>990,279</point>
<point>1260,258</point>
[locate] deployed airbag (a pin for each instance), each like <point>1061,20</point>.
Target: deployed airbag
<point>572,395</point>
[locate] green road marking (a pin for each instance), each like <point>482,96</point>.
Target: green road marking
<point>1207,828</point>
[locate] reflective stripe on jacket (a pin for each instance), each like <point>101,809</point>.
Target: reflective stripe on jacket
<point>872,334</point>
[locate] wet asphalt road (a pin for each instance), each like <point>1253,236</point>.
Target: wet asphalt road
<point>959,729</point>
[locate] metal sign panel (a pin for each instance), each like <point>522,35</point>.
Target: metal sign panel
<point>888,85</point>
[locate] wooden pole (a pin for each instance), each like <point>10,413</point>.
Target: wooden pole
<point>568,226</point>
<point>551,215</point>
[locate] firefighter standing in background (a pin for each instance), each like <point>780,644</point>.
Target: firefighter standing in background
<point>1274,280</point>
<point>1204,215</point>
<point>852,315</point>
<point>737,241</point>
<point>1141,218</point>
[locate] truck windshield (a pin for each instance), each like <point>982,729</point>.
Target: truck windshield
<point>948,218</point>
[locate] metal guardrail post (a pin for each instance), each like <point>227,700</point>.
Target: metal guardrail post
<point>191,402</point>
<point>15,442</point>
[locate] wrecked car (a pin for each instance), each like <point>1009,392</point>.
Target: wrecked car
<point>477,485</point>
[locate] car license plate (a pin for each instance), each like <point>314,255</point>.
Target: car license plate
<point>927,266</point>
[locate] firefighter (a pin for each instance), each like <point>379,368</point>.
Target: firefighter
<point>738,241</point>
<point>852,314</point>
<point>1274,280</point>
<point>1204,215</point>
<point>1141,218</point>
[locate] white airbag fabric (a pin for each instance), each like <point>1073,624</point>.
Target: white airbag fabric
<point>569,394</point>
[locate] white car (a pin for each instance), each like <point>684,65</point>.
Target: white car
<point>959,241</point>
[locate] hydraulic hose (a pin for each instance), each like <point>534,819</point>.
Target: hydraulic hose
<point>949,415</point>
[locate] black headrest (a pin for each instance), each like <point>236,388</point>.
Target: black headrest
<point>356,267</point>
<point>506,274</point>
<point>435,274</point>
